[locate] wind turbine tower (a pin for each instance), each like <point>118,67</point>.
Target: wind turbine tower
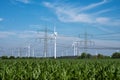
<point>29,50</point>
<point>33,52</point>
<point>75,48</point>
<point>55,37</point>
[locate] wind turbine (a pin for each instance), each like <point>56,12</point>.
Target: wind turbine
<point>74,45</point>
<point>12,51</point>
<point>33,52</point>
<point>29,47</point>
<point>19,52</point>
<point>96,53</point>
<point>55,37</point>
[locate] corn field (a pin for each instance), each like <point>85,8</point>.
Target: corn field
<point>60,69</point>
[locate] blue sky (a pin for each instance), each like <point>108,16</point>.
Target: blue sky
<point>20,19</point>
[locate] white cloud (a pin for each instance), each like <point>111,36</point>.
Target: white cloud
<point>20,34</point>
<point>107,43</point>
<point>68,13</point>
<point>47,4</point>
<point>1,19</point>
<point>29,34</point>
<point>102,20</point>
<point>107,21</point>
<point>5,34</point>
<point>72,17</point>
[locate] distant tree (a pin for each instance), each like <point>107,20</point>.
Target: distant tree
<point>83,55</point>
<point>100,56</point>
<point>116,55</point>
<point>107,57</point>
<point>11,57</point>
<point>4,57</point>
<point>88,56</point>
<point>18,57</point>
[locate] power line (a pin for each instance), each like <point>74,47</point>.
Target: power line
<point>107,34</point>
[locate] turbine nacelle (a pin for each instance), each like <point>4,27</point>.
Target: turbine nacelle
<point>55,33</point>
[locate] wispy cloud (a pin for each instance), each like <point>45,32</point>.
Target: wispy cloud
<point>1,19</point>
<point>27,34</point>
<point>104,29</point>
<point>102,11</point>
<point>94,5</point>
<point>18,2</point>
<point>68,13</point>
<point>24,1</point>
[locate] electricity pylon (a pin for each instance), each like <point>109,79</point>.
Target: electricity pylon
<point>86,41</point>
<point>45,38</point>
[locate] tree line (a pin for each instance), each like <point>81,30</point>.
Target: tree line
<point>100,56</point>
<point>84,55</point>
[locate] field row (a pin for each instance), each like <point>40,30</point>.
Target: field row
<point>61,69</point>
